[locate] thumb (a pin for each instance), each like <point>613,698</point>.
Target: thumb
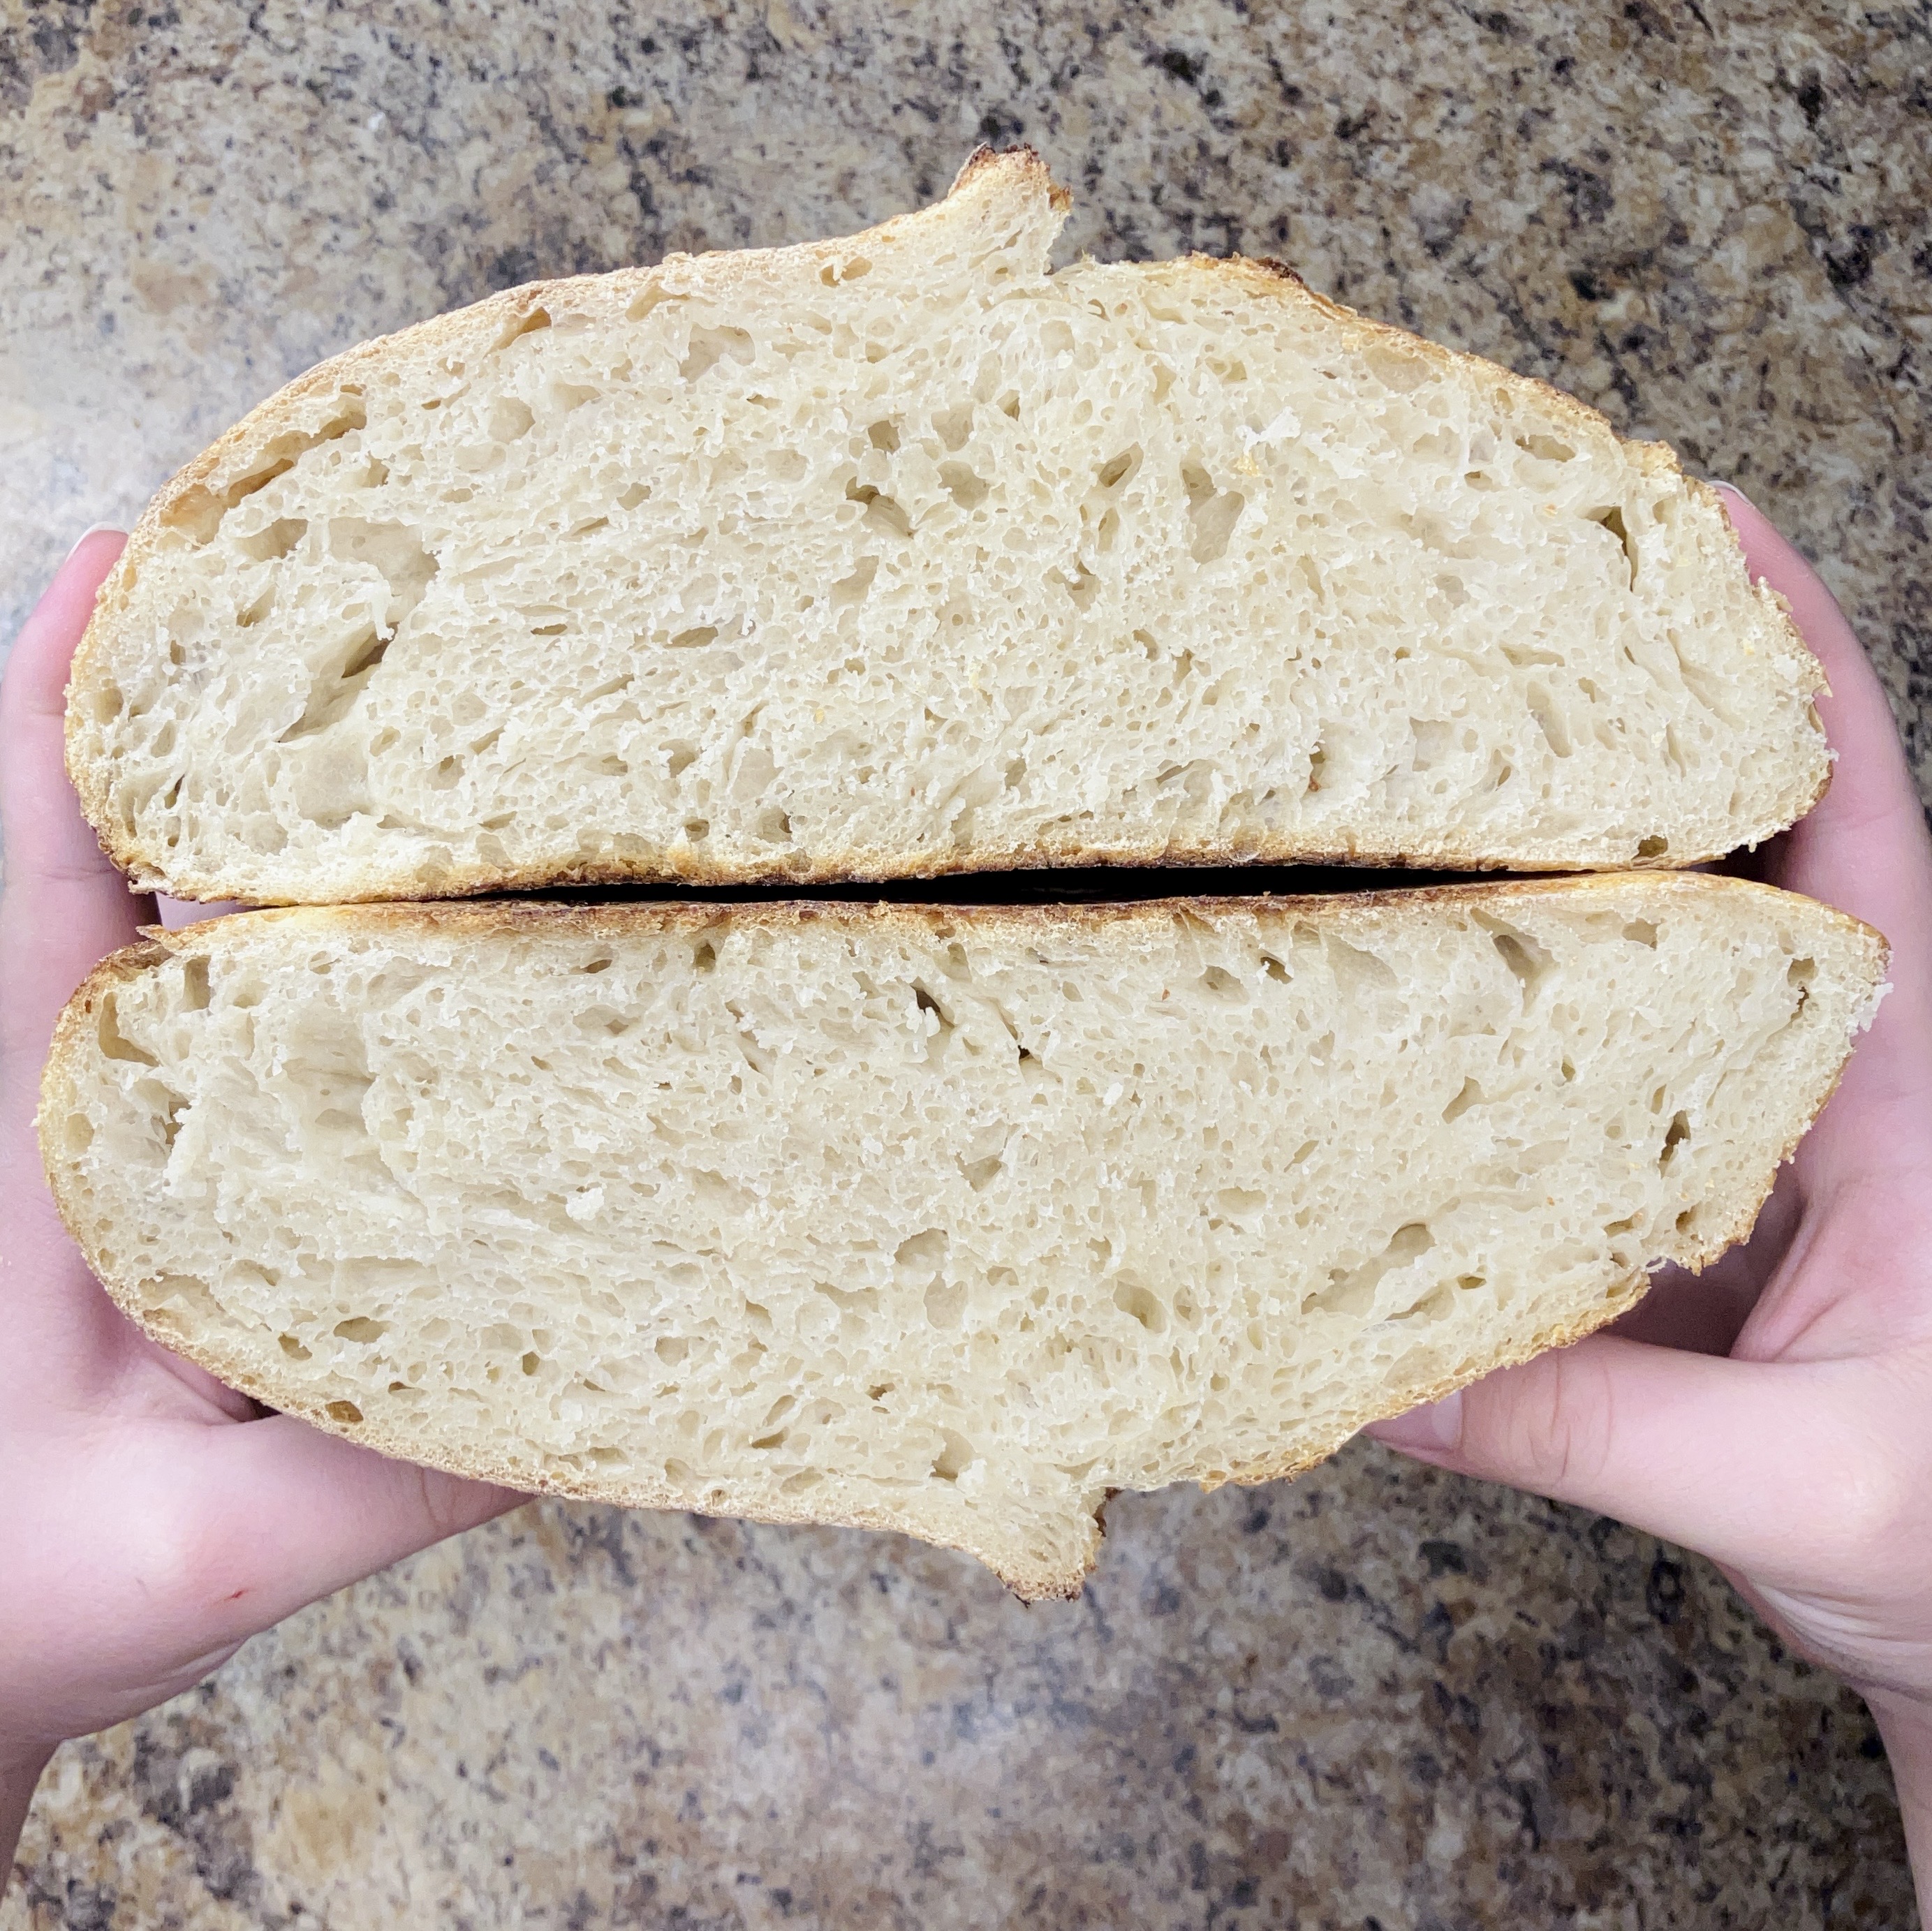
<point>1753,1464</point>
<point>289,1515</point>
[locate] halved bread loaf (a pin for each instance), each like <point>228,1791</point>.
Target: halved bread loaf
<point>901,555</point>
<point>947,1220</point>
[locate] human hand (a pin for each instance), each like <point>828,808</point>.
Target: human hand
<point>152,1519</point>
<point>1775,1413</point>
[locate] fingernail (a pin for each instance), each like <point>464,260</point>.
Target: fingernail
<point>1732,489</point>
<point>1436,1428</point>
<point>93,529</point>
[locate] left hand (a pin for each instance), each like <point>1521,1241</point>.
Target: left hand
<point>150,1519</point>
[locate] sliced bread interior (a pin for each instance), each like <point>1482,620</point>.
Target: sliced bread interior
<point>947,1220</point>
<point>902,555</point>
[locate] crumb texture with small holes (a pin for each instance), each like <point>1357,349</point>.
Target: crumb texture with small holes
<point>943,1220</point>
<point>903,555</point>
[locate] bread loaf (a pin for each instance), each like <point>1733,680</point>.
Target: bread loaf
<point>901,555</point>
<point>948,1220</point>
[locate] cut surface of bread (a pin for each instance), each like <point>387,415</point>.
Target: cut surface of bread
<point>948,1220</point>
<point>902,555</point>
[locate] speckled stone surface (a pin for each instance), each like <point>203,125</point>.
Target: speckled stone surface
<point>1378,1697</point>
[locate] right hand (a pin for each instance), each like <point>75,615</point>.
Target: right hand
<point>1775,1413</point>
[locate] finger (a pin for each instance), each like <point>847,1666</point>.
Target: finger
<point>176,913</point>
<point>1865,850</point>
<point>1722,1456</point>
<point>1706,1311</point>
<point>63,907</point>
<point>286,1515</point>
<point>1872,794</point>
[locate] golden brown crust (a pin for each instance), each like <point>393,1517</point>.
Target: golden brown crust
<point>486,915</point>
<point>477,920</point>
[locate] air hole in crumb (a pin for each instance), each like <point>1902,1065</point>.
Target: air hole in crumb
<point>531,1362</point>
<point>113,1045</point>
<point>270,544</point>
<point>602,963</point>
<point>1652,847</point>
<point>696,830</point>
<point>1612,521</point>
<point>1678,1132</point>
<point>361,1329</point>
<point>1141,1304</point>
<point>709,346</point>
<point>1211,516</point>
<point>1470,1094</point>
<point>1798,976</point>
<point>695,638</point>
<point>846,591</point>
<point>1550,720</point>
<point>336,692</point>
<point>1524,957</point>
<point>1641,932</point>
<point>654,296</point>
<point>955,1456</point>
<point>965,487</point>
<point>704,957</point>
<point>292,1348</point>
<point>884,435</point>
<point>1117,469</point>
<point>954,425</point>
<point>882,512</point>
<point>346,1412</point>
<point>924,1002</point>
<point>510,418</point>
<point>194,984</point>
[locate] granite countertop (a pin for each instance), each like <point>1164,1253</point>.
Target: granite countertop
<point>1379,1697</point>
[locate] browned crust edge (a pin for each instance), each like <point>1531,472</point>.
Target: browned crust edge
<point>1262,278</point>
<point>59,1092</point>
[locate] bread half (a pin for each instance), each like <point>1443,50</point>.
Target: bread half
<point>950,1221</point>
<point>900,555</point>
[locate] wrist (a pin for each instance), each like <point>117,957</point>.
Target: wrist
<point>20,1767</point>
<point>1905,1724</point>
